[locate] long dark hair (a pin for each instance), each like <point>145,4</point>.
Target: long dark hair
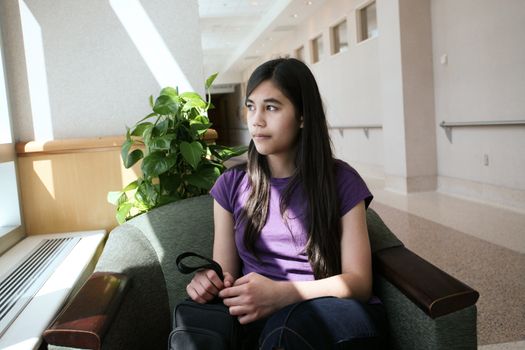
<point>314,168</point>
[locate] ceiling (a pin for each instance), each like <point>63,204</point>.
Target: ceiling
<point>237,33</point>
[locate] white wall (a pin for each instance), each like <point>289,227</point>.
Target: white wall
<point>79,69</point>
<point>349,83</point>
<point>484,80</point>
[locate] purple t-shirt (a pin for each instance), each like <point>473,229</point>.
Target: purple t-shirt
<point>281,244</point>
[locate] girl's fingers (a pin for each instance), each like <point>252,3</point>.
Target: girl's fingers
<point>202,292</point>
<point>228,280</point>
<point>194,295</point>
<point>239,310</point>
<point>214,279</point>
<point>235,301</point>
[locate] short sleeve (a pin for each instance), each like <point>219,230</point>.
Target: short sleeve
<point>224,191</point>
<point>352,189</point>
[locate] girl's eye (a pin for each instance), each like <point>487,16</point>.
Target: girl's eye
<point>271,108</point>
<point>250,107</point>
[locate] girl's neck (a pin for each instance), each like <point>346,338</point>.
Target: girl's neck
<point>281,166</point>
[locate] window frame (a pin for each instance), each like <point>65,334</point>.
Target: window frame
<point>315,53</point>
<point>361,32</point>
<point>335,37</point>
<point>9,235</point>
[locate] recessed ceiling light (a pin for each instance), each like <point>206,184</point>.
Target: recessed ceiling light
<point>295,15</point>
<point>255,3</point>
<point>309,3</point>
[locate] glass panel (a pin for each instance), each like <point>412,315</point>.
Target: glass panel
<point>340,38</point>
<point>368,18</point>
<point>317,49</point>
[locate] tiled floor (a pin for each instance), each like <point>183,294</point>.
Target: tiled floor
<point>482,245</point>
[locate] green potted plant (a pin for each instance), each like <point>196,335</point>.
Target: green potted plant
<point>176,162</point>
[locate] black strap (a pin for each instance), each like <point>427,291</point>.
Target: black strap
<point>211,264</point>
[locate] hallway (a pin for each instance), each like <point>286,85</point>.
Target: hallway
<point>482,245</point>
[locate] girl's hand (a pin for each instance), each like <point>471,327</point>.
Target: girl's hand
<point>252,297</point>
<point>206,284</point>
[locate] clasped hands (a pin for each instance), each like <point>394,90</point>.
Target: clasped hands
<point>249,298</point>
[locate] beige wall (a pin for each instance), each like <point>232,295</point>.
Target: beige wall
<point>484,80</point>
<point>398,80</point>
<point>80,68</point>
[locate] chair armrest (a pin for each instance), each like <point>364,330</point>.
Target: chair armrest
<point>431,289</point>
<point>84,321</point>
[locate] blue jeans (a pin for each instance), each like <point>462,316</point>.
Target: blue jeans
<point>321,323</point>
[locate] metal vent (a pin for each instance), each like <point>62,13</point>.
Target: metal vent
<point>19,285</point>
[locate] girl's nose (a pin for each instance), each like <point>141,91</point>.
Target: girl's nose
<point>257,119</point>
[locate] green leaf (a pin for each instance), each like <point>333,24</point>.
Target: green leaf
<point>194,103</point>
<point>123,211</point>
<point>169,91</point>
<point>114,196</point>
<point>139,129</point>
<point>169,183</point>
<point>131,186</point>
<point>204,178</point>
<point>161,143</point>
<point>198,128</point>
<point>192,152</point>
<point>191,96</point>
<point>161,128</point>
<point>147,195</point>
<point>133,157</point>
<point>210,80</point>
<point>157,163</point>
<point>166,105</point>
<point>124,149</point>
<point>225,153</point>
<point>151,102</point>
<point>202,119</point>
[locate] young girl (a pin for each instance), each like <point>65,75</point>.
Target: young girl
<point>290,226</point>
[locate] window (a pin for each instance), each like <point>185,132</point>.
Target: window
<point>299,53</point>
<point>11,230</point>
<point>367,22</point>
<point>317,48</point>
<point>339,37</point>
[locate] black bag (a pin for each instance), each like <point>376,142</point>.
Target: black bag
<point>203,326</point>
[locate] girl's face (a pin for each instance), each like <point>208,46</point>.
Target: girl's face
<point>272,120</point>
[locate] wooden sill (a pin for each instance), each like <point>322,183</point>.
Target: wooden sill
<point>95,144</point>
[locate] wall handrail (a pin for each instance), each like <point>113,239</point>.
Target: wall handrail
<point>365,127</point>
<point>357,126</point>
<point>445,124</point>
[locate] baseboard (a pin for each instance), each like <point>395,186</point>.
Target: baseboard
<point>508,198</point>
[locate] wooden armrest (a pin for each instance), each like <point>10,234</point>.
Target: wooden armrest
<point>431,289</point>
<point>84,321</point>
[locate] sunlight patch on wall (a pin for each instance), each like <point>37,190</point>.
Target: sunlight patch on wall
<point>44,170</point>
<point>150,44</point>
<point>36,75</point>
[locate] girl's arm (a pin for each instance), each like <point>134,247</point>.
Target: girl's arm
<point>205,285</point>
<point>224,249</point>
<point>355,281</point>
<point>254,296</point>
